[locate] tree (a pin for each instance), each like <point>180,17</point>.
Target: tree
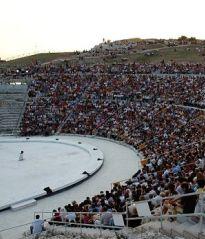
<point>193,40</point>
<point>182,39</point>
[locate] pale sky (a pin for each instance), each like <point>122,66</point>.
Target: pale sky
<point>29,26</point>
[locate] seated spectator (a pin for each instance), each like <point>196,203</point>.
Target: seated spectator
<point>96,217</point>
<point>200,206</point>
<point>62,214</point>
<point>176,168</point>
<point>132,213</point>
<point>56,216</point>
<point>37,226</point>
<point>46,225</point>
<point>188,202</point>
<point>106,217</point>
<point>71,217</point>
<point>156,200</point>
<point>87,218</point>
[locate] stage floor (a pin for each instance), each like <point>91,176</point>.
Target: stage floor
<point>120,162</point>
<point>48,162</point>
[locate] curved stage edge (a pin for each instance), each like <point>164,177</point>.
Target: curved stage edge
<point>98,154</point>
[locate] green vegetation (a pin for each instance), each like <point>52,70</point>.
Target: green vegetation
<point>184,49</point>
<point>190,54</point>
<point>172,54</point>
<point>40,58</point>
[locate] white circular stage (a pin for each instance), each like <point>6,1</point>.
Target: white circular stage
<point>48,162</point>
<point>120,162</point>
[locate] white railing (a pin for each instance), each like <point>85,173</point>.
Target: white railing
<point>49,216</point>
<point>162,217</point>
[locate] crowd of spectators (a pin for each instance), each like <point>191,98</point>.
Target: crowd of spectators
<point>157,108</point>
<point>85,97</point>
<point>145,105</point>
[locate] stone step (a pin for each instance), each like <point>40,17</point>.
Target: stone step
<point>17,108</point>
<point>7,129</point>
<point>11,115</point>
<point>24,204</point>
<point>11,105</point>
<point>11,109</point>
<point>8,120</point>
<point>8,125</point>
<point>5,126</point>
<point>9,96</point>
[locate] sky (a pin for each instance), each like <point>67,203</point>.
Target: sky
<point>33,26</point>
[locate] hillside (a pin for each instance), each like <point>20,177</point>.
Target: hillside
<point>40,58</point>
<point>186,50</point>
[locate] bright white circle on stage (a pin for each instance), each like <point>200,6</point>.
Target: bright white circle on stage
<point>47,163</point>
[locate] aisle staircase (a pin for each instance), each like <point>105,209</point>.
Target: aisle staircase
<point>12,104</point>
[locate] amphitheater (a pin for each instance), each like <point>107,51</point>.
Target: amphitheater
<point>81,139</point>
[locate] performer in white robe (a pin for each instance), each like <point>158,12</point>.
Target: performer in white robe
<point>21,158</point>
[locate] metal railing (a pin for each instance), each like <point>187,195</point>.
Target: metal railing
<point>50,216</point>
<point>200,215</point>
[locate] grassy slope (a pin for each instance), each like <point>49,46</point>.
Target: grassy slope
<point>42,58</point>
<point>181,54</point>
<point>177,54</point>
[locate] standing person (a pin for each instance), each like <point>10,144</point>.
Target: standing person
<point>21,156</point>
